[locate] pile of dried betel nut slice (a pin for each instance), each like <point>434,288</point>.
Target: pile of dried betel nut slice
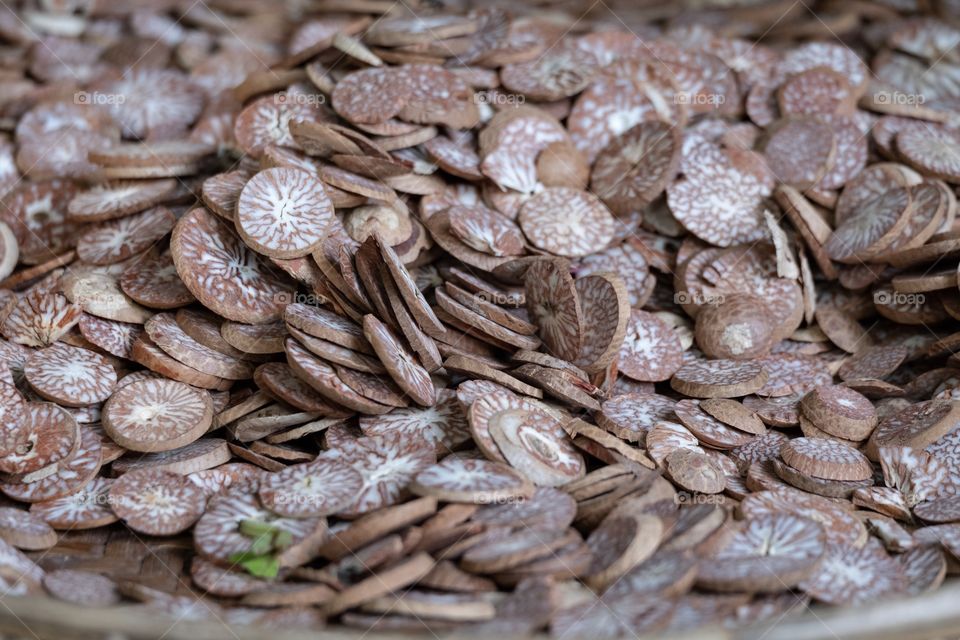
<point>412,320</point>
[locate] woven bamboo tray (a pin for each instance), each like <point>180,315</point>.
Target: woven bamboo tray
<point>936,615</point>
<point>162,564</point>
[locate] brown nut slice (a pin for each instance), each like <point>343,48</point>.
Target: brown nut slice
<point>157,503</point>
<point>157,415</point>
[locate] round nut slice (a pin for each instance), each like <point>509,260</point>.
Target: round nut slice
<point>733,413</point>
<point>840,411</point>
<point>605,305</point>
<point>719,378</point>
<point>70,376</point>
<point>536,445</point>
<point>25,530</point>
<point>157,503</point>
<point>400,363</point>
<point>459,479</point>
<point>567,222</point>
<point>284,213</point>
<point>651,349</point>
<point>157,415</point>
<point>620,543</point>
<point>737,328</point>
<point>826,458</point>
<point>554,306</point>
<point>318,488</point>
<point>82,588</point>
<point>694,471</point>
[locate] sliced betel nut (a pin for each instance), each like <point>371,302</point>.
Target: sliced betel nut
<point>400,363</point>
<point>157,503</point>
<point>223,273</point>
<point>719,378</point>
<point>651,349</point>
<point>70,376</point>
<point>47,438</point>
<point>737,327</point>
<point>554,306</point>
<point>767,554</point>
<point>318,488</point>
<point>536,445</point>
<point>284,213</point>
<point>459,479</point>
<point>605,305</point>
<point>566,222</point>
<point>840,411</point>
<point>827,459</point>
<point>157,415</point>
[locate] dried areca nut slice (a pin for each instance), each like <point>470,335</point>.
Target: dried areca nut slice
<point>734,414</point>
<point>25,530</point>
<point>157,415</point>
<point>939,510</point>
<point>157,503</point>
<point>319,488</point>
<point>357,184</point>
<point>849,575</point>
<point>560,385</point>
<point>324,379</point>
<point>70,376</point>
<point>256,339</point>
<point>800,150</point>
<point>484,409</point>
<point>840,411</point>
<point>827,459</point>
<point>167,334</point>
<point>874,226</point>
<point>81,588</point>
<point>97,291</point>
<point>694,471</point>
<point>444,425</point>
<point>400,363</point>
<point>121,239</point>
<point>278,380</point>
<point>925,281</point>
<point>719,378</point>
<point>636,166</point>
<point>536,445</point>
<point>768,554</point>
<point>566,222</point>
<point>218,535</point>
<point>924,567</point>
<point>873,181</point>
<point>72,474</point>
<point>385,581</point>
<point>336,354</point>
<point>473,481</point>
<point>88,508</point>
<point>207,254</point>
<point>738,328</point>
<point>48,437</point>
<point>411,294</point>
<point>486,231</point>
<point>284,213</point>
<point>620,543</point>
<point>554,306</point>
<point>116,201</point>
<point>875,362</point>
<point>380,389</point>
<point>371,96</point>
<point>203,454</point>
<point>484,325</point>
<point>145,352</point>
<point>707,429</point>
<point>40,319</point>
<point>630,416</point>
<point>932,150</point>
<point>605,305</point>
<point>827,488</point>
<point>456,159</point>
<point>221,581</point>
<point>792,374</point>
<point>14,417</point>
<point>473,367</point>
<point>478,303</point>
<point>817,91</point>
<point>842,329</point>
<point>221,191</point>
<point>763,448</point>
<point>651,349</point>
<point>325,324</point>
<point>153,281</point>
<point>116,338</point>
<point>919,425</point>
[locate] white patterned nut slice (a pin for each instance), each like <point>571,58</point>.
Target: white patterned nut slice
<point>719,378</point>
<point>768,554</point>
<point>536,445</point>
<point>48,437</point>
<point>121,239</point>
<point>157,415</point>
<point>566,222</point>
<point>402,366</point>
<point>470,480</point>
<point>83,588</point>
<point>444,425</point>
<point>387,464</point>
<point>71,376</point>
<point>631,415</point>
<point>850,575</point>
<point>827,459</point>
<point>71,476</point>
<point>554,306</point>
<point>88,508</point>
<point>651,349</point>
<point>318,488</point>
<point>157,503</point>
<point>223,273</point>
<point>605,305</point>
<point>284,213</point>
